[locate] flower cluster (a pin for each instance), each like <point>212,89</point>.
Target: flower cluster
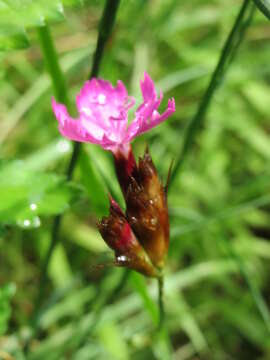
<point>140,237</point>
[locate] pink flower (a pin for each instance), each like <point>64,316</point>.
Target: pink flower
<point>103,114</point>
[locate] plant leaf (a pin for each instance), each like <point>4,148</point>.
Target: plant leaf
<point>25,195</point>
<point>17,16</point>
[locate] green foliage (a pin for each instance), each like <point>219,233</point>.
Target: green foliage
<point>220,196</point>
<point>26,195</point>
<point>6,293</point>
<point>17,16</point>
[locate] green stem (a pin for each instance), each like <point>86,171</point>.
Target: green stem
<point>161,303</point>
<point>52,64</point>
<point>216,78</point>
<point>263,6</point>
<point>105,30</point>
<point>51,59</point>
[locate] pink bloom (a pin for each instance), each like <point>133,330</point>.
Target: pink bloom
<point>103,114</point>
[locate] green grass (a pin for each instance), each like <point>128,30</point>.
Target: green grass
<point>216,294</point>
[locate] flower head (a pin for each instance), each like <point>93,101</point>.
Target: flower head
<point>103,114</point>
<point>139,238</point>
<point>118,234</point>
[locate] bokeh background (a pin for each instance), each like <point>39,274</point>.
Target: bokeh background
<point>217,287</point>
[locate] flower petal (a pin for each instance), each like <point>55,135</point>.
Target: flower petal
<point>69,127</point>
<point>148,88</point>
<point>147,115</point>
<point>99,97</point>
<point>102,106</point>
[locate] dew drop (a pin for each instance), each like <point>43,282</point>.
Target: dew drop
<point>26,223</point>
<point>87,111</point>
<point>63,146</point>
<point>133,220</point>
<point>102,99</point>
<point>33,206</point>
<point>122,258</point>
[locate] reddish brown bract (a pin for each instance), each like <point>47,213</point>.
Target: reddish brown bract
<point>147,211</point>
<point>140,238</point>
<point>118,234</point>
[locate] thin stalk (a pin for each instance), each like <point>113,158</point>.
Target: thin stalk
<point>241,33</point>
<point>50,56</point>
<point>264,7</point>
<point>105,30</point>
<point>161,303</point>
<point>215,80</point>
<point>51,60</point>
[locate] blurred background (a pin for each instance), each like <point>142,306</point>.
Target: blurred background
<point>217,287</point>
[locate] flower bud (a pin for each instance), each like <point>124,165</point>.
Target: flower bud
<point>119,236</point>
<point>147,211</point>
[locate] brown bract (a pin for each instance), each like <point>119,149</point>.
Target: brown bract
<point>147,211</point>
<point>140,238</point>
<point>118,234</point>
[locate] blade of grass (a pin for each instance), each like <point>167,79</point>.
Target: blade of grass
<point>216,78</point>
<point>264,7</point>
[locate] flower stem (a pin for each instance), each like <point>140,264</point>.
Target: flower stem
<point>105,30</point>
<point>161,303</point>
<point>50,56</point>
<point>232,43</point>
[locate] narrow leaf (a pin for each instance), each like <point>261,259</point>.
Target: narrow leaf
<point>264,7</point>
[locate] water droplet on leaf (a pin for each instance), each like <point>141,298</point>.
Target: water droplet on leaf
<point>63,146</point>
<point>122,259</point>
<point>33,206</point>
